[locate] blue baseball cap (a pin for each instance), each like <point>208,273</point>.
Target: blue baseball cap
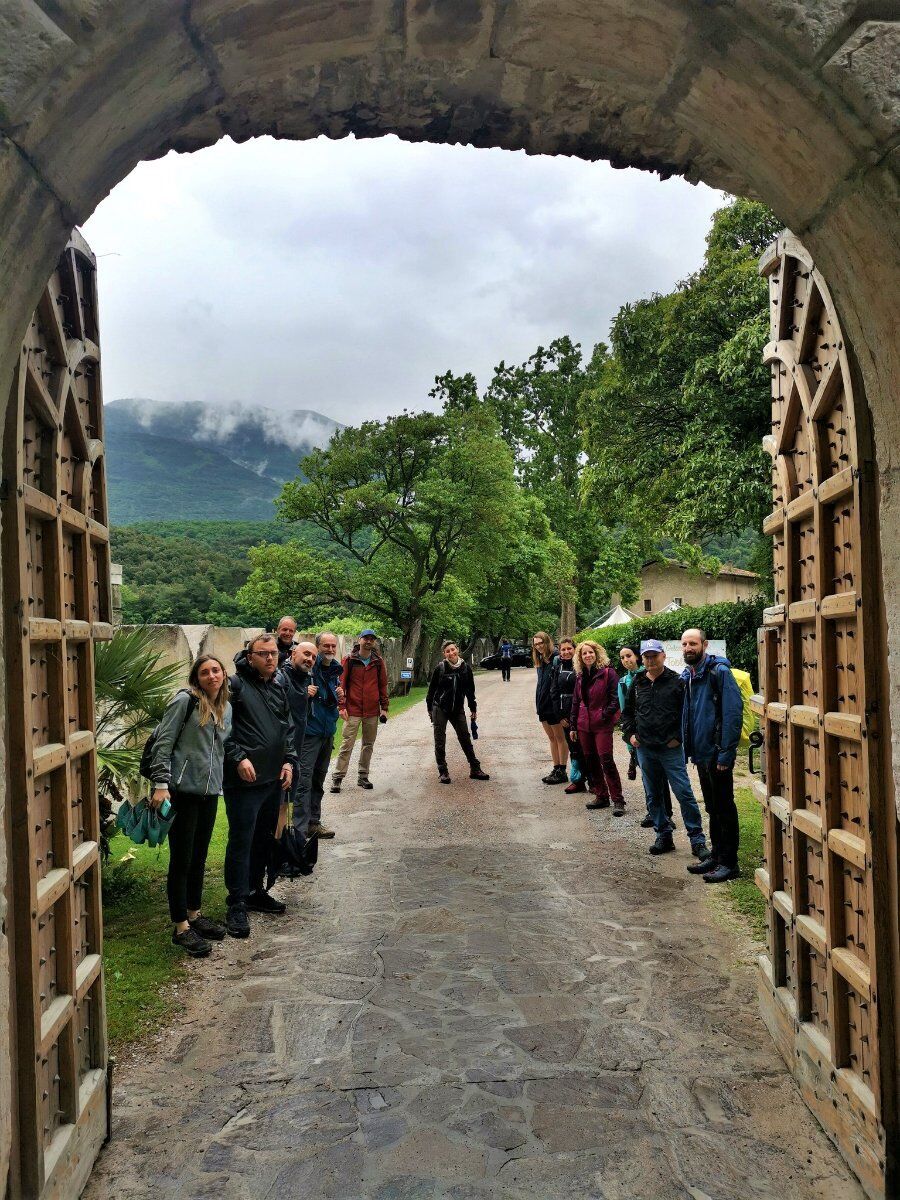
<point>652,646</point>
<point>368,633</point>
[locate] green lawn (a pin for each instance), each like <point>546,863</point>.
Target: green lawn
<point>743,894</point>
<point>141,962</point>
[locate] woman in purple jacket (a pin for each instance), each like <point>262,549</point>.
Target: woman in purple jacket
<point>595,711</point>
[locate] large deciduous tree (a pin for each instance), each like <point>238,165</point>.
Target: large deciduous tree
<point>674,420</point>
<point>537,405</point>
<point>422,504</point>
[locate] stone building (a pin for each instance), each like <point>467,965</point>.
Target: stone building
<point>670,583</point>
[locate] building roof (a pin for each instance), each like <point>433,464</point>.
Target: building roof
<point>725,569</point>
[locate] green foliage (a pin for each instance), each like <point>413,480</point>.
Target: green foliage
<point>736,623</point>
<point>418,503</point>
<point>132,688</point>
<point>673,425</point>
<point>743,894</point>
<point>537,405</point>
<point>189,572</point>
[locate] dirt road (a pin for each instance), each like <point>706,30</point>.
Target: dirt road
<point>483,991</point>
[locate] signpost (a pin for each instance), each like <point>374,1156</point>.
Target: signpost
<point>406,676</point>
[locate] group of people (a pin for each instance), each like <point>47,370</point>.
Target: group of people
<point>665,718</point>
<point>262,738</point>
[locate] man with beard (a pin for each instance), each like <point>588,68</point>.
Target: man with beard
<point>259,767</point>
<point>711,728</point>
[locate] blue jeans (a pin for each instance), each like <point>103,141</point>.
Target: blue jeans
<point>657,766</point>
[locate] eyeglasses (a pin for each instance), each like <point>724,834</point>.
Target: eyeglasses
<point>266,653</point>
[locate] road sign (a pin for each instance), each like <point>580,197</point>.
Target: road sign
<point>406,674</point>
<point>409,664</point>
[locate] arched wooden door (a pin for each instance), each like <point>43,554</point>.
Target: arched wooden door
<point>56,603</point>
<point>827,979</point>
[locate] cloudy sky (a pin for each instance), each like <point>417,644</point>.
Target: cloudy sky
<point>343,276</point>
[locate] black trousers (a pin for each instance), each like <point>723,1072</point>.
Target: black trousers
<point>718,799</point>
<point>440,720</point>
<point>252,810</point>
<point>189,837</point>
<point>505,668</point>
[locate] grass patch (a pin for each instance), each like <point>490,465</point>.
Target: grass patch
<point>141,962</point>
<point>744,896</point>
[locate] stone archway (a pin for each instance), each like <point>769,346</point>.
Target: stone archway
<point>789,101</point>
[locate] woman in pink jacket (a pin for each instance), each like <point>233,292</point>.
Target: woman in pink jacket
<point>595,713</point>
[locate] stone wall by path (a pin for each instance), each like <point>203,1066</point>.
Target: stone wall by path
<point>183,643</point>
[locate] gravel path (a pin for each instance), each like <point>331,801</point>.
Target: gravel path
<point>483,991</point>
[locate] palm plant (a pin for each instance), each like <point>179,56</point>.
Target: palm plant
<point>132,688</point>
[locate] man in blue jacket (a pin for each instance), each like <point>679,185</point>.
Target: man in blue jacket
<point>711,724</point>
<point>326,697</point>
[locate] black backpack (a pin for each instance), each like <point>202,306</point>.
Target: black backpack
<point>147,752</point>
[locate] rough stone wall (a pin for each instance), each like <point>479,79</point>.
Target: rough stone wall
<point>795,101</point>
<point>182,643</point>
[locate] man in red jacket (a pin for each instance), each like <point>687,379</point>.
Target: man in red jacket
<point>364,681</point>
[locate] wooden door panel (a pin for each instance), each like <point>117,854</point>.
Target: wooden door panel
<point>821,978</point>
<point>56,604</point>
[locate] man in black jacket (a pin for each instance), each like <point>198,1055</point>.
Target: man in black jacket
<point>259,765</point>
<point>295,675</point>
<point>452,684</point>
<point>651,722</point>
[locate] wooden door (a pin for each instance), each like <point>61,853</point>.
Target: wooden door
<point>56,598</point>
<point>825,981</point>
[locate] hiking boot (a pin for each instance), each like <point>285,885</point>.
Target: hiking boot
<point>444,775</point>
<point>702,867</point>
<point>647,822</point>
<point>598,802</point>
<point>619,808</point>
<point>364,783</point>
<point>557,775</point>
<point>700,850</point>
<point>236,921</point>
<point>335,786</point>
<point>211,930</point>
<point>262,902</point>
<point>632,769</point>
<point>662,845</point>
<point>722,874</point>
<point>317,829</point>
<point>191,942</point>
<point>477,773</point>
<point>578,786</point>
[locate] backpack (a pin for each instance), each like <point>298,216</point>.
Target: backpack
<point>147,752</point>
<point>745,687</point>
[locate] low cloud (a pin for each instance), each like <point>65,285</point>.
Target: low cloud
<point>341,277</point>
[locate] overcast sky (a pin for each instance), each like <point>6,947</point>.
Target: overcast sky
<point>343,276</point>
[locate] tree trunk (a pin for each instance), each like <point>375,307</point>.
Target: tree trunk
<point>412,636</point>
<point>567,619</point>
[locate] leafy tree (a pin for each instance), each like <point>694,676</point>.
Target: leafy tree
<point>674,422</point>
<point>418,503</point>
<point>537,405</point>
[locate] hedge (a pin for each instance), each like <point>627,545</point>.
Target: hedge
<point>734,622</point>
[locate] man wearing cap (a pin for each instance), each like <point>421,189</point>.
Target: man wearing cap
<point>364,680</point>
<point>651,722</point>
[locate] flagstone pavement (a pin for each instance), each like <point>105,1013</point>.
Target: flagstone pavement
<point>482,991</point>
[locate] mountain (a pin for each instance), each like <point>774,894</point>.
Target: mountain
<point>192,461</point>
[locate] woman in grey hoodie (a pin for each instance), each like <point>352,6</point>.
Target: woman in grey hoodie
<point>186,770</point>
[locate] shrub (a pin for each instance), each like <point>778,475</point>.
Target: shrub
<point>734,622</point>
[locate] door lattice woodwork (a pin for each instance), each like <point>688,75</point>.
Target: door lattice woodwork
<point>57,603</point>
<point>821,977</point>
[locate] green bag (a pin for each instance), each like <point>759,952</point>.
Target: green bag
<point>142,823</point>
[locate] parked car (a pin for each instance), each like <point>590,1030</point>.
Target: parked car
<point>521,657</point>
